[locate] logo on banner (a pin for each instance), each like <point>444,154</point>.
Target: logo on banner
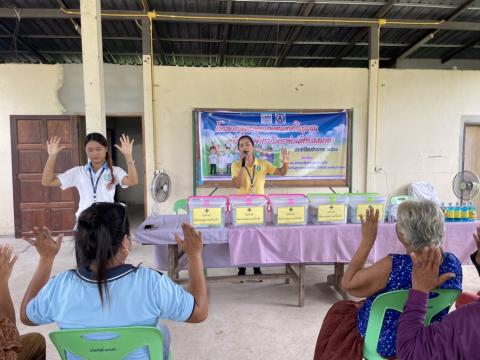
<point>266,118</point>
<point>280,118</point>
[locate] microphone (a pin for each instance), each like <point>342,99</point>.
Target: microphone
<point>244,158</point>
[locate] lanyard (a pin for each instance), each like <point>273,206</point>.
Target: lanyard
<point>252,177</point>
<point>95,183</point>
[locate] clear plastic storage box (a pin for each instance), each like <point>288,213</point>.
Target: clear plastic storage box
<point>359,202</point>
<point>248,210</point>
<point>326,209</point>
<point>289,209</point>
<point>207,211</point>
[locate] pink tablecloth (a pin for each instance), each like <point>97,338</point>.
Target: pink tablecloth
<point>330,243</point>
<point>291,244</point>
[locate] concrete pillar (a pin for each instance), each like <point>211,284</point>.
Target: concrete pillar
<point>92,55</point>
<point>372,124</point>
<point>148,110</point>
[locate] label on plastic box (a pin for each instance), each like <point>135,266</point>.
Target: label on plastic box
<point>330,213</point>
<point>250,215</point>
<point>207,216</point>
<point>362,209</point>
<point>291,215</point>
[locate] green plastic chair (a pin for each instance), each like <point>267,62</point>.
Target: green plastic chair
<point>180,204</point>
<point>396,300</point>
<point>112,344</point>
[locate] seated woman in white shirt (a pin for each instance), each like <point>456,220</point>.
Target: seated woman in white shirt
<point>104,290</point>
<point>95,181</point>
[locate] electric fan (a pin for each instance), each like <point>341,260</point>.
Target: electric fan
<point>160,188</point>
<point>466,185</point>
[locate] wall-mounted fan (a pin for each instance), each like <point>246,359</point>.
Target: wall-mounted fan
<point>160,188</point>
<point>466,185</point>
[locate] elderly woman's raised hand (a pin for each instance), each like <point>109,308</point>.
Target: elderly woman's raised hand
<point>370,225</point>
<point>476,236</point>
<point>192,243</point>
<point>6,263</point>
<point>47,247</point>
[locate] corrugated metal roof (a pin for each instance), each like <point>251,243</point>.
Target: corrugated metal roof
<point>203,44</point>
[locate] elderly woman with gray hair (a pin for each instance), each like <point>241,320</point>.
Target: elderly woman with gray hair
<point>420,224</point>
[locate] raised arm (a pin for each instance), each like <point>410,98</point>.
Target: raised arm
<point>47,248</point>
<point>360,281</point>
<point>192,245</point>
<point>414,340</point>
<point>126,149</point>
<point>6,265</point>
<point>53,148</point>
<point>285,160</point>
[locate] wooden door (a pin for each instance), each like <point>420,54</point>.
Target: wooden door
<point>471,158</point>
<point>34,204</point>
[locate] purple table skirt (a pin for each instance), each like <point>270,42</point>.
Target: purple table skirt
<point>274,245</point>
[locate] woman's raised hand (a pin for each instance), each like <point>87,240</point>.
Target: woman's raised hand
<point>53,146</point>
<point>126,146</point>
<point>370,225</point>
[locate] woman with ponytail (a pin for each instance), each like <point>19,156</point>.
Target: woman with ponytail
<point>95,181</point>
<point>104,290</point>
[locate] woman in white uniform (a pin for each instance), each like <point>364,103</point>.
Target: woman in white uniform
<point>95,181</point>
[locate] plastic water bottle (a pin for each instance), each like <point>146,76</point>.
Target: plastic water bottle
<point>450,213</point>
<point>465,212</point>
<point>444,211</point>
<point>472,212</point>
<point>458,212</point>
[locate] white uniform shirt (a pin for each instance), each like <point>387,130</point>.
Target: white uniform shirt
<point>80,178</point>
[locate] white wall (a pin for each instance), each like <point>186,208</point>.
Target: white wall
<point>179,90</point>
<point>419,124</point>
<point>24,90</point>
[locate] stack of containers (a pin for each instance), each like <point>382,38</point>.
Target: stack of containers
<point>247,210</point>
<point>288,209</point>
<point>358,203</point>
<point>207,211</point>
<point>327,209</point>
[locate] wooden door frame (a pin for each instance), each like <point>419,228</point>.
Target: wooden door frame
<point>467,120</point>
<point>15,164</point>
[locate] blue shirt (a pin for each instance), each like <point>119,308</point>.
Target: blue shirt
<point>138,297</point>
<point>400,279</point>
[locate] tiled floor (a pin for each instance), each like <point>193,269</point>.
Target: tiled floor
<point>246,321</point>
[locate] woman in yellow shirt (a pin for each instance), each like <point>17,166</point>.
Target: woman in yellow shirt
<point>249,174</point>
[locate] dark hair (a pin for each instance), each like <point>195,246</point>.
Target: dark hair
<point>245,137</point>
<point>102,141</point>
<point>100,232</point>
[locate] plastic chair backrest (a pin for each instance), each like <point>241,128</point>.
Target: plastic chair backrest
<point>180,204</point>
<point>396,300</point>
<point>108,343</point>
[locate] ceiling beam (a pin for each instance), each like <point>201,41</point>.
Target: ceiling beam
<point>294,33</point>
<point>213,55</point>
<point>246,19</point>
<point>206,40</point>
<point>460,50</point>
<point>363,33</point>
<point>226,30</point>
<point>414,47</point>
<point>19,40</point>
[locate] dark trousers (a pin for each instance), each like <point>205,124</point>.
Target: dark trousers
<point>213,169</point>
